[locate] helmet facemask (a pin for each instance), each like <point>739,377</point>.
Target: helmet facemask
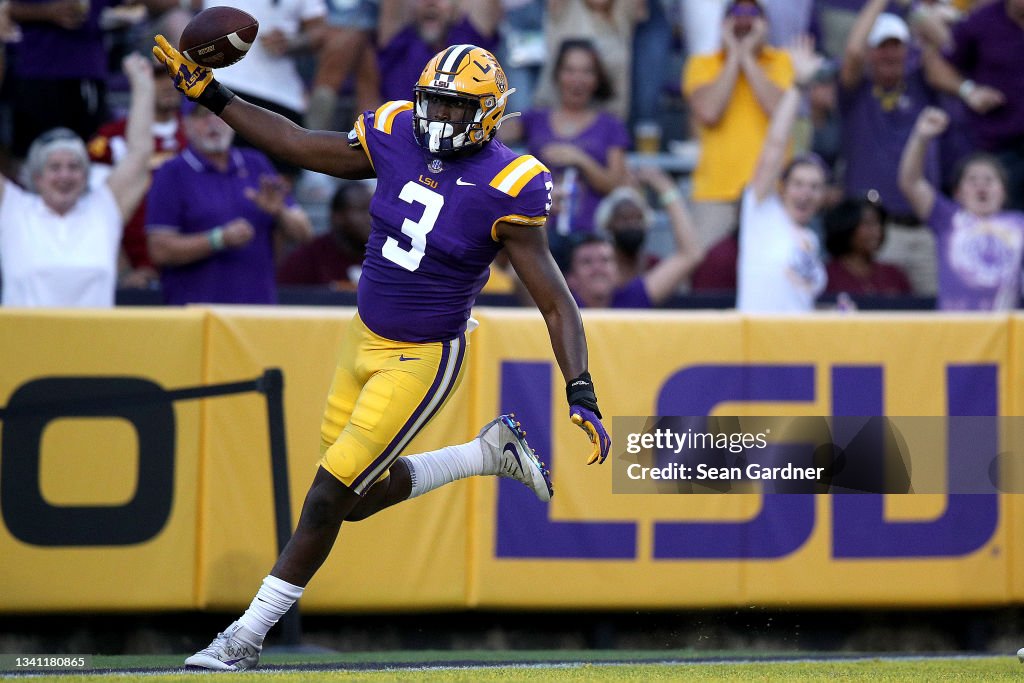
<point>448,122</point>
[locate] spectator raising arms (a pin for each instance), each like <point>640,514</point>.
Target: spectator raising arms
<point>108,147</point>
<point>882,90</point>
<point>625,218</point>
<point>980,245</point>
<point>732,94</point>
<point>779,269</point>
<point>59,243</point>
<point>983,68</point>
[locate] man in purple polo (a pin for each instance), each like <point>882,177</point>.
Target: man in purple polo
<point>410,33</point>
<point>881,91</point>
<point>211,214</point>
<point>984,69</point>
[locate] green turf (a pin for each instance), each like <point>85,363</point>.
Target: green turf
<point>590,668</point>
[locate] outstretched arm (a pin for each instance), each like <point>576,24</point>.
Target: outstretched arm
<point>944,77</point>
<point>662,280</point>
<point>852,70</point>
<point>322,151</point>
<point>527,249</point>
<point>130,177</point>
<point>776,144</point>
<point>931,122</point>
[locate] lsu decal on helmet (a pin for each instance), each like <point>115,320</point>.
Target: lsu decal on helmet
<point>460,100</point>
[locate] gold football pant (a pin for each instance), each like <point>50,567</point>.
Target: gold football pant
<point>384,392</point>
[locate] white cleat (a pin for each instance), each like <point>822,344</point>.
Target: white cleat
<point>507,454</point>
<point>227,652</point>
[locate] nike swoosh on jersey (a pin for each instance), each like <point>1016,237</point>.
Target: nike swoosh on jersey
<point>402,357</point>
<point>460,181</point>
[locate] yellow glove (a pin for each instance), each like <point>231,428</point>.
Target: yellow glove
<point>189,78</point>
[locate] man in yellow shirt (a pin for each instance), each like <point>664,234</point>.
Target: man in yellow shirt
<point>732,94</point>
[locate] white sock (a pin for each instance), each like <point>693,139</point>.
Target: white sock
<point>436,468</point>
<point>273,599</point>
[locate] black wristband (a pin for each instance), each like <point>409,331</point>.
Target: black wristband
<point>580,392</point>
<point>215,97</point>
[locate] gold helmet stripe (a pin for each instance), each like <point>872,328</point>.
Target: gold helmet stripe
<point>452,58</point>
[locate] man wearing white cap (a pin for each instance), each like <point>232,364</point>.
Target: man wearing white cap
<point>881,92</point>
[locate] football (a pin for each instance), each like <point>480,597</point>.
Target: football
<point>218,36</point>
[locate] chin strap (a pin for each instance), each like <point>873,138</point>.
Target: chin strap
<point>436,130</point>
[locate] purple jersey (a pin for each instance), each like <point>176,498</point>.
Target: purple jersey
<point>979,258</point>
<point>432,226</point>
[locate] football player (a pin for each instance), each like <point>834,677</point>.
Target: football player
<point>449,197</point>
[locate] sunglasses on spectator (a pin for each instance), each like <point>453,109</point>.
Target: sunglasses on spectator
<point>744,9</point>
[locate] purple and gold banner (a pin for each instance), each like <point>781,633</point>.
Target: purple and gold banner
<point>178,491</point>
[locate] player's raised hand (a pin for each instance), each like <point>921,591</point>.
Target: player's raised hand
<point>585,414</point>
<point>189,78</point>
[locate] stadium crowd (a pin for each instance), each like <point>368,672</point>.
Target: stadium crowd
<point>881,163</point>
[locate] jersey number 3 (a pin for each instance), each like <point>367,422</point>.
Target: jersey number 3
<point>416,230</point>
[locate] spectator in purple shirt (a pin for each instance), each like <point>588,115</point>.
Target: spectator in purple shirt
<point>882,90</point>
<point>211,214</point>
<point>60,58</point>
<point>981,246</point>
<point>984,69</point>
<point>410,32</point>
<point>584,147</point>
